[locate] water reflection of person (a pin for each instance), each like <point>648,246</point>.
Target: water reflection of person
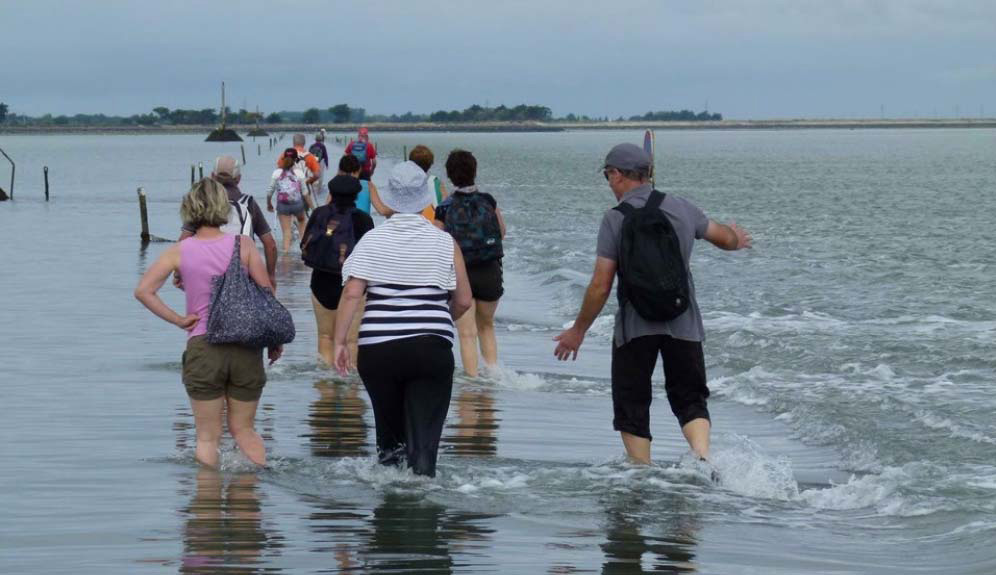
<point>475,434</point>
<point>628,538</point>
<point>224,530</point>
<point>410,534</point>
<point>336,420</point>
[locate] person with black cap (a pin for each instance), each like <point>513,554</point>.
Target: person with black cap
<point>659,318</point>
<point>329,237</point>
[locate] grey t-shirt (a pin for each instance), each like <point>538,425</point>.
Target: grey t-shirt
<point>690,224</point>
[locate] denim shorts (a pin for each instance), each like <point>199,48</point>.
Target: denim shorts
<point>290,209</point>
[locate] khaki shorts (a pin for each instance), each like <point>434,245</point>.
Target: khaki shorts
<point>212,370</point>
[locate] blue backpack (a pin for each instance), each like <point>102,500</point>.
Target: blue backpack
<point>360,151</point>
<point>328,239</point>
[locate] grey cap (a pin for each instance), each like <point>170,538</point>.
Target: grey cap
<point>320,136</point>
<point>407,189</point>
<point>299,139</point>
<point>629,157</point>
<point>226,170</point>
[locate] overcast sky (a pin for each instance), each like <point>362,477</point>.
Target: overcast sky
<point>746,58</point>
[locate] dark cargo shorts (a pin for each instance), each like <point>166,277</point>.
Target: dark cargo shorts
<point>632,373</point>
<point>213,370</point>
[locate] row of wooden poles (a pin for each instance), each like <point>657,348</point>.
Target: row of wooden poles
<point>196,171</point>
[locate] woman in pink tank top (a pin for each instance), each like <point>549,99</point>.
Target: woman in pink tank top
<point>215,375</point>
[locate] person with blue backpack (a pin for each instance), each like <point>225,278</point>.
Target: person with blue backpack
<point>364,151</point>
<point>647,241</point>
<point>329,237</point>
<point>474,220</point>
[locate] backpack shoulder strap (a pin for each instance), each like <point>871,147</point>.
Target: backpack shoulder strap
<point>625,208</point>
<point>655,200</point>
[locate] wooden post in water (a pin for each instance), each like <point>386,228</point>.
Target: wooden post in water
<point>405,157</point>
<point>192,179</point>
<point>145,216</point>
<point>259,149</point>
<point>243,153</point>
<point>13,168</point>
<point>200,169</point>
<point>46,183</point>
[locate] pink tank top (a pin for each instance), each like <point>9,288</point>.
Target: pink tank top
<point>200,262</point>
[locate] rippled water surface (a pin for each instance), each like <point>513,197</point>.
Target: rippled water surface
<point>850,356</point>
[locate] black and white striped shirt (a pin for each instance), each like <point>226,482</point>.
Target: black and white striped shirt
<point>406,250</point>
<point>409,269</point>
<point>397,311</point>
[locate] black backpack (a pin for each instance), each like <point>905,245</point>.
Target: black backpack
<point>328,239</point>
<point>652,274</point>
<point>318,151</point>
<point>473,223</point>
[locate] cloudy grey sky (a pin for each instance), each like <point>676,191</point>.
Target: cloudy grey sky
<point>748,58</point>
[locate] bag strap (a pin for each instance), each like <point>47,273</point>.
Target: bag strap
<point>655,200</point>
<point>236,263</point>
<point>242,202</point>
<point>625,208</point>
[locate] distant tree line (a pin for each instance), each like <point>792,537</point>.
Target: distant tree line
<point>682,116</point>
<point>341,114</point>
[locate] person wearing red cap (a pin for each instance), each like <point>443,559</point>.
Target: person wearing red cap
<point>364,151</point>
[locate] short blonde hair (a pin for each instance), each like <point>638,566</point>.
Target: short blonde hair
<point>206,204</point>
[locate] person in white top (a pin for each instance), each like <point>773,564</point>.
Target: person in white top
<point>415,282</point>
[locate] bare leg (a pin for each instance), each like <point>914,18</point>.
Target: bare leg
<point>241,419</point>
<point>696,433</point>
<point>484,312</point>
<point>301,223</point>
<point>325,319</point>
<point>207,421</point>
<point>285,229</point>
<point>637,448</point>
<point>467,328</point>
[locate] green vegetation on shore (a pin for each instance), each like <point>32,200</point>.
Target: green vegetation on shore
<point>339,114</point>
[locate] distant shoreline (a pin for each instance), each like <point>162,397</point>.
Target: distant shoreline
<point>333,129</point>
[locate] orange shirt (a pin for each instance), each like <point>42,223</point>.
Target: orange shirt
<point>309,160</point>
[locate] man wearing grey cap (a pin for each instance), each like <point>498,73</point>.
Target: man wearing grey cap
<point>638,341</point>
<point>245,218</point>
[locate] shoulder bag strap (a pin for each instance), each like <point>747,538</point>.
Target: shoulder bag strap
<point>655,199</point>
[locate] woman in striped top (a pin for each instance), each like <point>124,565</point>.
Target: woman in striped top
<point>416,284</point>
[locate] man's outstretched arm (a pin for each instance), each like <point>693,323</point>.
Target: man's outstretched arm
<point>728,236</point>
<point>595,297</point>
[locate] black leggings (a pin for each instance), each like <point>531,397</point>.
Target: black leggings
<point>409,382</point>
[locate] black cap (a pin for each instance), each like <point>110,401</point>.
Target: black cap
<point>344,186</point>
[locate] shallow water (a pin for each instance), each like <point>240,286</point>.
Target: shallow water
<point>849,356</point>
